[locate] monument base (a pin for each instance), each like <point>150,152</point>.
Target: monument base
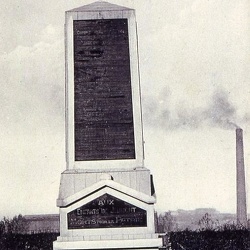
<point>109,244</point>
<point>107,215</point>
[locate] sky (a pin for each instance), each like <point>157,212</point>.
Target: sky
<point>194,70</point>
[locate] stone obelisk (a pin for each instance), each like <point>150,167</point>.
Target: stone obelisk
<point>105,199</point>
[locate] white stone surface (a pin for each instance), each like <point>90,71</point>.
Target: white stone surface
<point>110,244</point>
<point>104,184</point>
<point>99,6</point>
<point>105,176</point>
<point>103,13</point>
<point>117,190</point>
<point>85,181</point>
<point>73,181</point>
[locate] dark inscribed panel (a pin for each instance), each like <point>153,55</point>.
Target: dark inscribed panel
<point>104,127</point>
<point>106,212</point>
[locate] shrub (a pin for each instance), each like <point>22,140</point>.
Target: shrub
<point>43,241</point>
<point>210,240</point>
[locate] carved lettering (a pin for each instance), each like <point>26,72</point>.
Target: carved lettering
<point>107,211</point>
<point>103,109</point>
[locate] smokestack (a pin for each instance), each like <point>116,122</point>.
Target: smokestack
<point>241,187</point>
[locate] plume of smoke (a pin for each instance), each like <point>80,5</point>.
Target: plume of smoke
<point>219,112</point>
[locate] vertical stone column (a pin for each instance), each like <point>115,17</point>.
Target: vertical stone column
<point>104,125</point>
<point>105,196</point>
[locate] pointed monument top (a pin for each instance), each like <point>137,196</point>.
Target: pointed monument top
<point>99,6</point>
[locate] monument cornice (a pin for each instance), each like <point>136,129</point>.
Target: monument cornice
<point>109,184</point>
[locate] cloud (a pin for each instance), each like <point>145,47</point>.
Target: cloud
<point>50,34</point>
<point>201,55</point>
<point>32,124</point>
<point>169,115</point>
<point>32,81</point>
<point>194,53</point>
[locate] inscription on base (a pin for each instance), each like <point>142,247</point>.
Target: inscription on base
<point>105,212</point>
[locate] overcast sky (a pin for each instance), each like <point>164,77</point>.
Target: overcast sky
<point>194,64</point>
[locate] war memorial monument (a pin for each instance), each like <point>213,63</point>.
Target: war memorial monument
<point>106,197</point>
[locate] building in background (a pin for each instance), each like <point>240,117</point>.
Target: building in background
<point>45,223</point>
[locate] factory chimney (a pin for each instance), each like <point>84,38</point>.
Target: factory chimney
<point>240,176</point>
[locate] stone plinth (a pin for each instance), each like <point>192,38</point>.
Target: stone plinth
<point>73,181</point>
<point>107,215</point>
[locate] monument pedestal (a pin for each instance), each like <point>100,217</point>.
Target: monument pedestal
<point>107,215</point>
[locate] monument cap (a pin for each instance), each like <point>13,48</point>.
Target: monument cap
<point>99,6</point>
